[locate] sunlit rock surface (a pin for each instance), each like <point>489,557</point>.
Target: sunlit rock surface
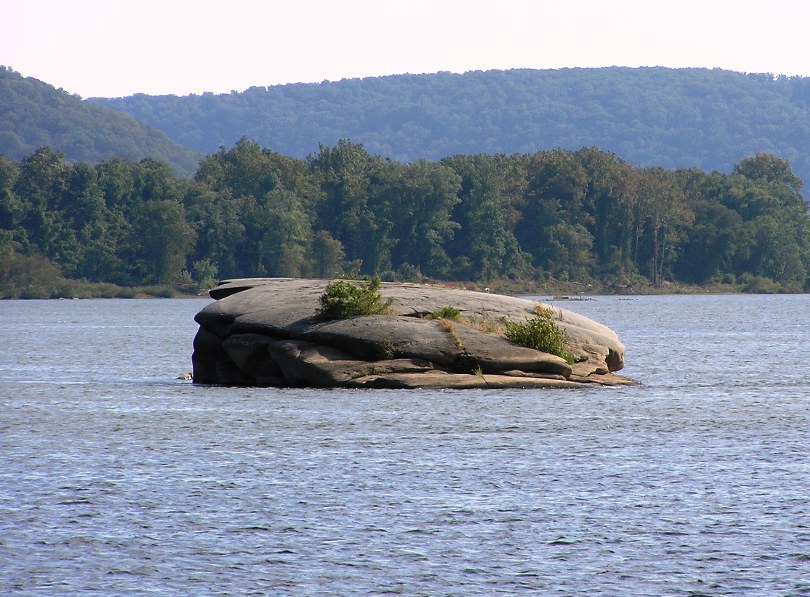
<point>266,332</point>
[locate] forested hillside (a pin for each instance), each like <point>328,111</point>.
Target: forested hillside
<point>583,216</point>
<point>33,114</point>
<point>672,118</point>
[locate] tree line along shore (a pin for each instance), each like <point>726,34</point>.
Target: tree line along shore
<point>554,220</point>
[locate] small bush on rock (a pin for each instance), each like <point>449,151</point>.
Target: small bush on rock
<point>540,333</point>
<point>349,298</point>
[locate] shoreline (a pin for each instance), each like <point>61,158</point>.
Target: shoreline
<point>73,289</point>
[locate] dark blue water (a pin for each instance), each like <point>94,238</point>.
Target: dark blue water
<point>118,479</point>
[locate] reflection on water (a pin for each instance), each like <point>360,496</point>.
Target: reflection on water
<point>115,477</point>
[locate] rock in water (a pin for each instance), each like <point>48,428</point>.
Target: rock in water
<point>267,332</point>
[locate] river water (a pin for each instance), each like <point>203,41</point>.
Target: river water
<point>116,478</point>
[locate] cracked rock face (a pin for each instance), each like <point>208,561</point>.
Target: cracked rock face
<point>266,332</point>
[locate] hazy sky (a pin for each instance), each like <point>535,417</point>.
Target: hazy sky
<point>114,48</point>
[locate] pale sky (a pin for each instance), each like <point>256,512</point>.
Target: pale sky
<point>112,48</point>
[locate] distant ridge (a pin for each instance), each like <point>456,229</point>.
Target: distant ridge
<point>648,116</point>
<point>34,114</point>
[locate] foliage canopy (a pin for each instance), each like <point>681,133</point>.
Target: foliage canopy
<point>672,118</point>
<point>34,115</point>
<point>554,217</point>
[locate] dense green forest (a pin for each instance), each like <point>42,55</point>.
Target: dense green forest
<point>673,118</point>
<point>33,114</point>
<point>537,220</point>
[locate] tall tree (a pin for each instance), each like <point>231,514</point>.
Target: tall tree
<point>484,246</point>
<point>42,179</point>
<point>84,207</point>
<point>218,219</point>
<point>350,210</point>
<point>328,257</point>
<point>768,168</point>
<point>287,235</point>
<point>608,208</point>
<point>713,246</point>
<point>12,209</point>
<point>162,241</point>
<point>244,170</point>
<point>422,195</point>
<point>666,214</point>
<point>556,187</point>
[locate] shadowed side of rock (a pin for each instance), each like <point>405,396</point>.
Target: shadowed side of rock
<point>266,332</point>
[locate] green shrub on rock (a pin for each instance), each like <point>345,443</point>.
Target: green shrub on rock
<point>343,299</point>
<point>448,312</point>
<point>540,333</point>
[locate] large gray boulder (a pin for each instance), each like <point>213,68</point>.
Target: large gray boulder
<point>267,332</point>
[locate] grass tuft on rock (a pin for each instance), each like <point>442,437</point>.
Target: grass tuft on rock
<point>448,312</point>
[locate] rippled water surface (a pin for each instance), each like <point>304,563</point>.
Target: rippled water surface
<point>117,478</point>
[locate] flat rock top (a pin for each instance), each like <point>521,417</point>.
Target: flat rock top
<point>288,307</point>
